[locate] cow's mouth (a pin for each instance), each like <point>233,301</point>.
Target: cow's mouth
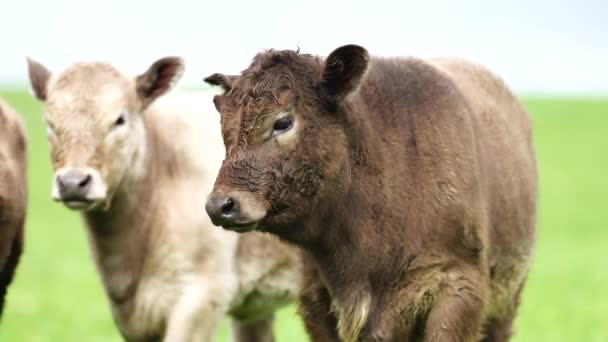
<point>78,204</point>
<point>241,227</point>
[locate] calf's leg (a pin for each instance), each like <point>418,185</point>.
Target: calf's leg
<point>197,315</point>
<point>457,313</point>
<point>500,329</point>
<point>315,308</point>
<point>10,265</point>
<point>253,331</point>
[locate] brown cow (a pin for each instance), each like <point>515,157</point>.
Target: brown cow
<point>13,190</point>
<point>409,183</point>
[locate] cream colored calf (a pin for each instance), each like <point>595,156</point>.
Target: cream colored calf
<point>139,168</point>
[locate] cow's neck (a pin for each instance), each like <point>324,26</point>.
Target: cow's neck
<point>341,225</point>
<point>348,247</point>
<point>119,234</point>
<point>345,261</point>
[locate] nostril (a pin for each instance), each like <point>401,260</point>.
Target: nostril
<point>60,183</point>
<point>228,206</point>
<point>83,183</point>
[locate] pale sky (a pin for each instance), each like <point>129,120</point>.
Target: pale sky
<point>537,46</point>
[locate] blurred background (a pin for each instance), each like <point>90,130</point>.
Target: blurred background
<point>554,55</point>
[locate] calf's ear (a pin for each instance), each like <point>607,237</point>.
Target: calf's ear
<point>160,77</point>
<point>221,80</point>
<point>39,78</point>
<point>344,71</point>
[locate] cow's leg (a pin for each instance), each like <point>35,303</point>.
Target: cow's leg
<point>319,321</point>
<point>458,311</point>
<point>500,329</point>
<point>253,331</point>
<point>197,314</point>
<point>10,265</point>
<point>315,307</point>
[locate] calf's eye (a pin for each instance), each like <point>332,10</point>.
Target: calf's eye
<point>50,129</point>
<point>282,124</point>
<point>120,121</point>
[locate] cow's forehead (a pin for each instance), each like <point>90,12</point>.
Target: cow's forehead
<point>87,75</point>
<point>249,111</point>
<point>93,89</point>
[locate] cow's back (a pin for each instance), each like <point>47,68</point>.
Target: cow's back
<point>508,170</point>
<point>506,154</point>
<point>12,194</point>
<point>456,146</point>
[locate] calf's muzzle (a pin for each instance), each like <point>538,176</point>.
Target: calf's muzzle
<point>222,209</point>
<point>80,188</point>
<point>234,211</point>
<point>74,185</point>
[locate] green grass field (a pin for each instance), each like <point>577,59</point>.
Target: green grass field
<point>57,295</point>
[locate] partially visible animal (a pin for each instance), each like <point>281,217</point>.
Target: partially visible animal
<point>410,185</point>
<point>13,194</point>
<point>137,167</point>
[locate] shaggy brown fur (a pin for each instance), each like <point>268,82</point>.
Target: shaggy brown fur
<point>12,195</point>
<point>410,184</point>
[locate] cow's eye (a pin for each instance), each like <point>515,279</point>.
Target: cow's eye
<point>282,124</point>
<point>50,130</point>
<point>120,121</point>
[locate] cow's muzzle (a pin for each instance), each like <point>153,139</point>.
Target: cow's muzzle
<point>78,188</point>
<point>234,211</point>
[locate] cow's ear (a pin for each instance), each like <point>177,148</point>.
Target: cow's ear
<point>39,78</point>
<point>344,71</point>
<point>160,77</point>
<point>224,81</point>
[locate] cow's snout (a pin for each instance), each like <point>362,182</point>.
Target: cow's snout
<point>222,209</point>
<point>74,185</point>
<point>78,188</point>
<point>233,211</point>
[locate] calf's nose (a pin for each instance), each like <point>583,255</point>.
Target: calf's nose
<point>74,185</point>
<point>222,209</point>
